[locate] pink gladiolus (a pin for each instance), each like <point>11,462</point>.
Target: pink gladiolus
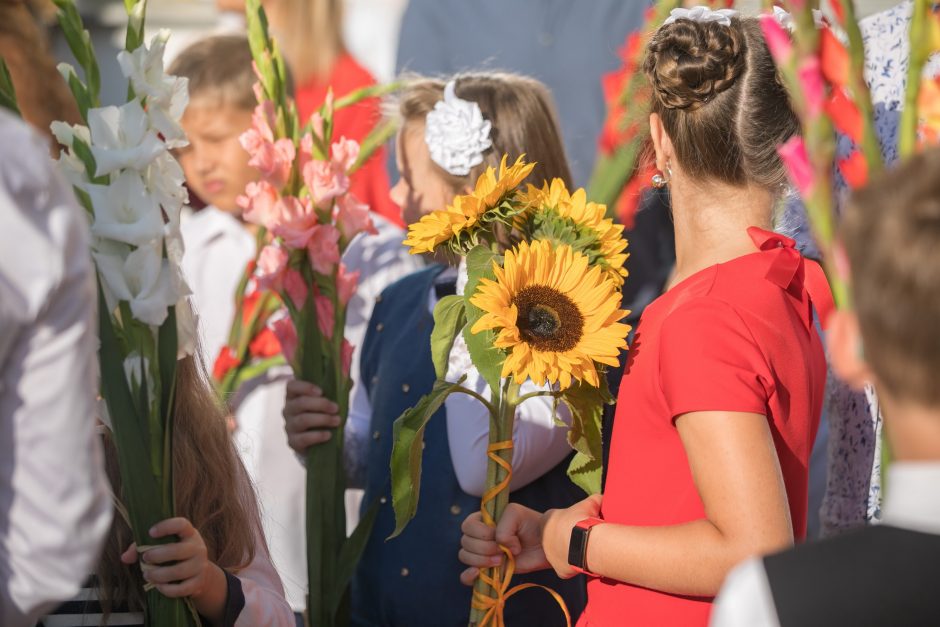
<point>793,154</point>
<point>326,315</point>
<point>346,284</point>
<point>295,287</point>
<point>325,182</point>
<point>273,160</point>
<point>287,336</point>
<point>316,123</point>
<point>814,87</point>
<point>263,120</point>
<point>259,204</point>
<point>353,217</point>
<point>346,353</point>
<point>272,262</point>
<point>344,153</point>
<point>295,222</point>
<point>777,38</point>
<point>323,248</point>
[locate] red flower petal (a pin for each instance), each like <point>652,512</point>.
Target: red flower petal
<point>834,58</point>
<point>265,344</point>
<point>854,169</point>
<point>837,10</point>
<point>845,115</point>
<point>226,360</point>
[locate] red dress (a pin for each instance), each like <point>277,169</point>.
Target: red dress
<point>370,183</point>
<point>735,337</point>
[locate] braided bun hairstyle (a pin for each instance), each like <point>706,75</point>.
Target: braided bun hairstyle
<point>716,89</point>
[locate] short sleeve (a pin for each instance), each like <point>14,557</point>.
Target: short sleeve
<point>710,361</point>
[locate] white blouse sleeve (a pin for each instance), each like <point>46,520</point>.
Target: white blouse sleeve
<point>265,604</point>
<point>54,504</point>
<point>745,599</point>
<point>539,444</point>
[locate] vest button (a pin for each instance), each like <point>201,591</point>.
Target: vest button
<point>379,327</point>
<point>375,379</point>
<point>383,500</point>
<point>376,435</point>
<point>405,572</point>
<point>455,509</point>
<point>405,388</point>
<point>378,299</point>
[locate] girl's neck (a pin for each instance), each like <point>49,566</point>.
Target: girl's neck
<point>711,222</point>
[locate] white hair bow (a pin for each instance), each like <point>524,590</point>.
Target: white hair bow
<point>456,133</point>
<point>702,14</point>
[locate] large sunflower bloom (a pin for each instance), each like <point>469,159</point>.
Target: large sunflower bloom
<point>554,313</point>
<point>467,212</point>
<point>605,241</point>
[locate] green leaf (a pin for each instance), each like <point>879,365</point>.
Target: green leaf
<point>373,141</point>
<point>352,550</point>
<point>449,318</point>
<point>586,473</point>
<point>407,448</point>
<point>364,93</point>
<point>487,358</point>
<point>78,89</point>
<point>7,91</point>
<point>586,403</point>
<point>79,41</point>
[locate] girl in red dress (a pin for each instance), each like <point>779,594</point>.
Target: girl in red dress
<point>721,398</point>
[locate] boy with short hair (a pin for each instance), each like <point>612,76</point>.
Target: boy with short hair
<point>887,574</point>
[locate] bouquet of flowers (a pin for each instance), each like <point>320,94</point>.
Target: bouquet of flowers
<point>308,217</point>
<point>132,188</point>
<point>542,303</point>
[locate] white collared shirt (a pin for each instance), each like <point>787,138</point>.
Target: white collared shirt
<point>913,502</point>
<point>55,507</point>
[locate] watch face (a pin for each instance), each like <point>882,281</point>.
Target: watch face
<point>576,547</point>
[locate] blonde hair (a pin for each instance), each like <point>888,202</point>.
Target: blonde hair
<point>218,68</point>
<point>310,35</point>
<point>226,516</point>
<point>891,233</point>
<point>520,110</point>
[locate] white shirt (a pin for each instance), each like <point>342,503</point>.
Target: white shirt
<point>217,249</point>
<point>538,444</point>
<point>55,507</point>
<point>279,475</point>
<point>913,502</point>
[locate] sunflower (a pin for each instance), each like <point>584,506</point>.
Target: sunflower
<point>554,313</point>
<point>467,213</point>
<point>553,213</point>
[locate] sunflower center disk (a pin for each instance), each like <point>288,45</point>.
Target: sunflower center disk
<point>548,320</point>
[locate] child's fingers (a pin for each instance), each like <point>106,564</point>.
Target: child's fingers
<point>178,590</point>
<point>477,560</point>
<point>479,547</point>
<point>173,552</point>
<point>474,526</point>
<point>177,573</point>
<point>469,576</point>
<point>302,388</point>
<point>173,526</point>
<point>130,555</point>
<point>309,404</point>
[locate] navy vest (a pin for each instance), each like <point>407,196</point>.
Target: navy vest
<point>412,580</point>
<point>872,577</point>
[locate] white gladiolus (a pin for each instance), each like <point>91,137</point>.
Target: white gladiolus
<point>122,138</point>
<point>125,210</point>
<point>165,180</point>
<point>142,278</point>
<point>166,96</point>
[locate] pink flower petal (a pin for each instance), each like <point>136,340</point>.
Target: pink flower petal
<point>272,262</point>
<point>295,287</point>
<point>794,156</point>
<point>346,284</point>
<point>295,222</point>
<point>326,315</point>
<point>777,38</point>
<point>346,356</point>
<point>353,217</point>
<point>259,204</point>
<point>287,336</point>
<point>323,248</point>
<point>814,87</point>
<point>344,153</point>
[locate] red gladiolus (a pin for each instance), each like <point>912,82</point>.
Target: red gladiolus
<point>629,200</point>
<point>834,58</point>
<point>226,360</point>
<point>248,306</point>
<point>844,114</point>
<point>265,344</point>
<point>854,169</point>
<point>837,10</point>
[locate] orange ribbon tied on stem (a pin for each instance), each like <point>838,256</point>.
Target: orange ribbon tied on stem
<point>494,606</point>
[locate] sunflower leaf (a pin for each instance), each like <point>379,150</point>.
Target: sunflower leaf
<point>585,472</point>
<point>449,318</point>
<point>486,357</point>
<point>408,446</point>
<point>586,403</point>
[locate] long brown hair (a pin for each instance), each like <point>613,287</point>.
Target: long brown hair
<point>211,489</point>
<point>520,110</point>
<point>310,33</point>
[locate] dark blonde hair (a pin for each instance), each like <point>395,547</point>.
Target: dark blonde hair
<point>310,34</point>
<point>891,233</point>
<point>211,489</point>
<point>218,68</point>
<point>520,110</point>
<point>722,104</point>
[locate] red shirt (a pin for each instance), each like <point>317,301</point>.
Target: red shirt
<point>370,183</point>
<point>735,337</point>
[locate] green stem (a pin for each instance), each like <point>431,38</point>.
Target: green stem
<point>501,427</point>
<point>871,147</point>
<point>489,406</point>
<point>907,133</point>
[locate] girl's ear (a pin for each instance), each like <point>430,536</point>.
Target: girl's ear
<point>846,351</point>
<point>662,146</point>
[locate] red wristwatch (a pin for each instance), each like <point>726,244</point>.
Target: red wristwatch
<point>577,546</point>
